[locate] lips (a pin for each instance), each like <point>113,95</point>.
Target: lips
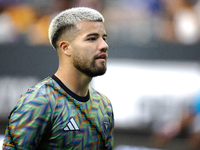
<point>102,56</point>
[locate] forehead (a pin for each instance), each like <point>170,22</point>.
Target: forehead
<point>86,27</point>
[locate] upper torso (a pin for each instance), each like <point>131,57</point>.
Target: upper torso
<point>50,116</point>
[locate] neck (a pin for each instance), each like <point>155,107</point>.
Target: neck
<point>76,81</point>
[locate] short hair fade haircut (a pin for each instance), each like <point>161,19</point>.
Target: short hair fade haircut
<point>68,19</point>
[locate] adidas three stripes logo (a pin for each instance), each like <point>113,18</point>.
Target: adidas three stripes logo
<point>71,125</point>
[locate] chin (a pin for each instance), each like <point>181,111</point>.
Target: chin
<point>100,72</point>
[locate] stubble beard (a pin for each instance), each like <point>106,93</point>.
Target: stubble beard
<point>90,69</point>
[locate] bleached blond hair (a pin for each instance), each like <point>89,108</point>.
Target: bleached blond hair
<point>68,19</point>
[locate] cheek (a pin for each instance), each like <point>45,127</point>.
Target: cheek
<point>84,52</point>
<point>82,56</point>
<point>87,54</point>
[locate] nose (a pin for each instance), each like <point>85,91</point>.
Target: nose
<point>103,46</point>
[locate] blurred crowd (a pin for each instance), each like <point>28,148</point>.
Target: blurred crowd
<point>28,21</point>
<point>127,21</point>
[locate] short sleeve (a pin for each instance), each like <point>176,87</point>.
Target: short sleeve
<point>27,123</point>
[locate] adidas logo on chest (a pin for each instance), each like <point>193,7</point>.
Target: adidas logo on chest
<point>71,125</point>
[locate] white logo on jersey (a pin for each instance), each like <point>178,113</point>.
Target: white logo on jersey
<point>71,125</point>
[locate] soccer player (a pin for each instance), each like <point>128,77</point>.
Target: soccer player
<point>63,111</point>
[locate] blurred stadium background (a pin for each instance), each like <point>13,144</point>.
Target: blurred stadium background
<point>153,67</point>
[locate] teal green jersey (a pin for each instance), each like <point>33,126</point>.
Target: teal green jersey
<point>51,117</point>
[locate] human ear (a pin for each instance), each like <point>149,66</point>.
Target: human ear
<point>65,47</point>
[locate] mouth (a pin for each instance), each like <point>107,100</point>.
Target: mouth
<point>102,56</point>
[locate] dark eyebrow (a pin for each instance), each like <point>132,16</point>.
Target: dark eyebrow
<point>105,35</point>
<point>96,34</point>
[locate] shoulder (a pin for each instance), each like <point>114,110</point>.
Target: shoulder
<point>40,93</point>
<point>42,86</point>
<point>37,101</point>
<point>96,95</point>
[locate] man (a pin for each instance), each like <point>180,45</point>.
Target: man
<point>63,111</point>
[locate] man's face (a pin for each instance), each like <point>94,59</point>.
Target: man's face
<point>89,49</point>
